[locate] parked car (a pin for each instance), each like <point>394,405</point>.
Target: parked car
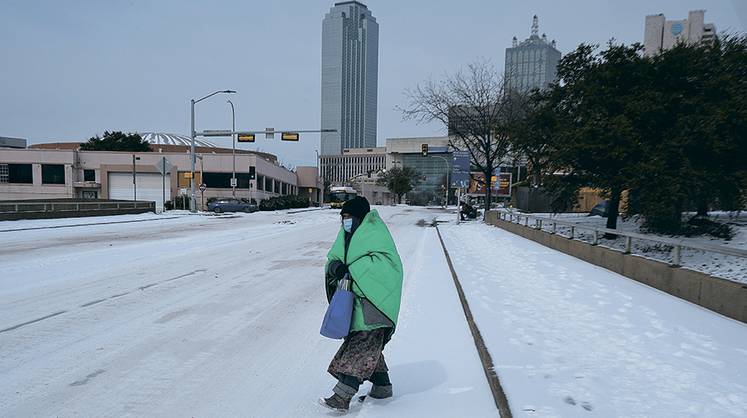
<point>231,205</point>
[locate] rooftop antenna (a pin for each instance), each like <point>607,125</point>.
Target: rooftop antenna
<point>535,26</point>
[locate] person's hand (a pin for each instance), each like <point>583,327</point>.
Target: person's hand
<point>337,269</point>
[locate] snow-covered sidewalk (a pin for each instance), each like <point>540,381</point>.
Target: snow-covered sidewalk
<point>572,339</point>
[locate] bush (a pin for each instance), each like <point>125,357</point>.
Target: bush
<point>283,202</point>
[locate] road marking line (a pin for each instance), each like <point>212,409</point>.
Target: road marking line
<point>31,322</point>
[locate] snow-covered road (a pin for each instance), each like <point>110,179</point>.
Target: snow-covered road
<point>213,316</point>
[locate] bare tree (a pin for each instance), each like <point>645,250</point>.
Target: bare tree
<point>474,107</point>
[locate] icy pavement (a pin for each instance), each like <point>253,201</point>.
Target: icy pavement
<point>572,339</point>
<point>214,316</point>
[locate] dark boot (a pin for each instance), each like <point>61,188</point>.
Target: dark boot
<point>336,403</point>
<point>382,387</point>
<point>380,392</point>
<point>340,400</point>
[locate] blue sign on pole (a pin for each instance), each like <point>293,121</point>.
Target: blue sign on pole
<point>460,169</point>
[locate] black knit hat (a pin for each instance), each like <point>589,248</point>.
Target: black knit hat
<point>357,206</point>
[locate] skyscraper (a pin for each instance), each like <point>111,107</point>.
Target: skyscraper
<point>350,67</point>
<point>532,63</point>
<point>661,34</point>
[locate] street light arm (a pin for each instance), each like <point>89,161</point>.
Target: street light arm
<point>214,93</point>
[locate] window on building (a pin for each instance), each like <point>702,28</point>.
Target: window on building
<point>89,175</point>
<point>277,186</point>
<point>223,180</point>
<point>284,188</point>
<point>260,182</point>
<point>268,184</point>
<point>20,173</point>
<point>4,173</point>
<point>53,174</point>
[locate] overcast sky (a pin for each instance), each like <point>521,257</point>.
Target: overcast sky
<point>72,69</point>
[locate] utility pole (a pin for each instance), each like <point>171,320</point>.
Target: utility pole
<point>134,178</point>
<point>233,152</point>
<point>193,134</point>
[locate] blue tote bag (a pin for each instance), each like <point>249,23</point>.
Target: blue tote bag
<point>336,324</point>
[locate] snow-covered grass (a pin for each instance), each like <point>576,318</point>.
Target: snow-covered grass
<point>719,265</point>
<point>572,339</point>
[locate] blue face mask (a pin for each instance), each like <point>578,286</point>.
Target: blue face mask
<point>347,224</point>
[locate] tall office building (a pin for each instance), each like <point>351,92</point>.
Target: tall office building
<point>661,34</point>
<point>531,64</point>
<point>350,67</point>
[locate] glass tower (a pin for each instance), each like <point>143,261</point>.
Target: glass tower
<point>350,66</point>
<point>531,64</point>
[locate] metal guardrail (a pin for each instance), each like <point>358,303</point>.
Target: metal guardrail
<point>677,245</point>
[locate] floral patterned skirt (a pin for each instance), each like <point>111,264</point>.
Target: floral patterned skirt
<point>360,355</point>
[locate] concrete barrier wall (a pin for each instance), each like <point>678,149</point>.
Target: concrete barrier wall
<point>719,295</point>
<point>70,208</point>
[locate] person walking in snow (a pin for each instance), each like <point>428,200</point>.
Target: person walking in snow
<point>364,250</point>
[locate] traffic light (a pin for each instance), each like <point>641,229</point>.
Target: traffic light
<point>424,149</point>
<point>252,173</point>
<point>246,138</point>
<point>290,136</point>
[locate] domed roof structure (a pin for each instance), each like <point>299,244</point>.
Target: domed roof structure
<point>157,138</point>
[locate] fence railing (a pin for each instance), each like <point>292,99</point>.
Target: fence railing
<point>540,222</point>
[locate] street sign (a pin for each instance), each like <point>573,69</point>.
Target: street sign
<point>460,169</point>
<point>290,136</point>
<point>269,133</point>
<point>217,132</point>
<point>163,166</point>
<point>246,138</point>
<point>203,187</point>
<point>234,181</point>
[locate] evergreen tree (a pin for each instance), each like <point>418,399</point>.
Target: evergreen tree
<point>399,180</point>
<point>116,141</point>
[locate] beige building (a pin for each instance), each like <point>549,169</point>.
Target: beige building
<point>310,185</point>
<point>661,34</point>
<point>345,168</point>
<point>47,171</point>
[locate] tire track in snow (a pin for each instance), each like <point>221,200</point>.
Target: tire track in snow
<point>97,301</point>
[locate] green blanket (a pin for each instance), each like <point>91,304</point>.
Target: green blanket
<point>375,267</point>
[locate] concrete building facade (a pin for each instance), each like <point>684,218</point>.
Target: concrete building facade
<point>531,64</point>
<point>62,171</point>
<point>433,168</point>
<point>353,162</point>
<point>350,54</point>
<point>661,34</point>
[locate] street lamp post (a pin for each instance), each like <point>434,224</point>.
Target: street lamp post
<point>134,177</point>
<point>233,149</point>
<point>192,134</point>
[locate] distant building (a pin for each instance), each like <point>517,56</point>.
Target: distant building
<point>350,65</point>
<point>433,168</point>
<point>61,170</point>
<point>8,142</point>
<point>343,169</point>
<point>660,34</point>
<point>531,64</point>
